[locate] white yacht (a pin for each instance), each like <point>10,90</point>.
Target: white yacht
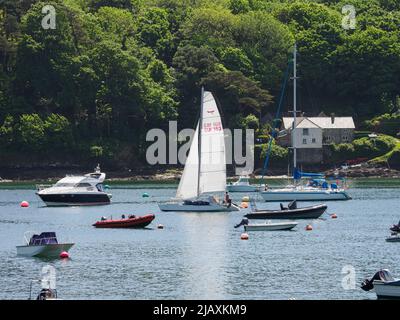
<point>76,191</point>
<point>243,185</point>
<point>204,174</point>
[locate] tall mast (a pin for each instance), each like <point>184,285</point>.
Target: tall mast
<point>294,103</point>
<point>199,141</point>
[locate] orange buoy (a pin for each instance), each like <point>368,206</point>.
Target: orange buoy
<point>244,205</point>
<point>309,227</point>
<point>160,226</point>
<point>334,216</point>
<point>244,236</point>
<point>24,204</point>
<point>64,255</point>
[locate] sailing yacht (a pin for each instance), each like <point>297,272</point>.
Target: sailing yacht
<point>298,192</point>
<point>204,174</point>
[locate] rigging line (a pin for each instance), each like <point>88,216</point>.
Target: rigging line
<point>273,133</point>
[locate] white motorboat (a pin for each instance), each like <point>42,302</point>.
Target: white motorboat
<point>76,191</point>
<point>43,245</point>
<point>204,174</point>
<point>297,192</point>
<point>395,237</point>
<point>266,226</point>
<point>384,285</point>
<point>243,185</point>
<point>270,226</point>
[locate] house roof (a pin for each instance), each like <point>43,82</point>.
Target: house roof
<point>322,122</point>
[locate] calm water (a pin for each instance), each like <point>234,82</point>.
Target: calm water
<point>201,256</point>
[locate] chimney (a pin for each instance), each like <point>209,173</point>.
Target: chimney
<point>332,118</point>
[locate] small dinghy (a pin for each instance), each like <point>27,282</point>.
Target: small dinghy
<point>43,245</point>
<point>267,226</point>
<point>384,284</point>
<point>131,222</point>
<point>289,212</point>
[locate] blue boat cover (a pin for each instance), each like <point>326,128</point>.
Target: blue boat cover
<point>43,238</point>
<point>297,174</point>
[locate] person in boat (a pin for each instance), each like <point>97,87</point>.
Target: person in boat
<point>227,199</point>
<point>123,216</point>
<point>103,218</point>
<point>266,187</point>
<point>131,216</point>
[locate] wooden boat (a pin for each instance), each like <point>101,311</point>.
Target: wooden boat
<point>43,245</point>
<point>130,222</point>
<point>269,226</point>
<point>290,212</point>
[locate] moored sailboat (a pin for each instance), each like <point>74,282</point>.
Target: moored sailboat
<point>204,174</point>
<point>296,191</point>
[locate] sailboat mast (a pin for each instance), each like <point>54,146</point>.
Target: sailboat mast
<point>294,104</point>
<point>199,137</point>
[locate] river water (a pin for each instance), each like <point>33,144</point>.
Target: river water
<point>200,255</point>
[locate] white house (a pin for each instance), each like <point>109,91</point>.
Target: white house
<point>311,134</point>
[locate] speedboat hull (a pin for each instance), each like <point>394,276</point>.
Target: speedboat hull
<point>48,250</point>
<point>270,226</point>
<point>312,212</point>
<point>387,290</point>
<point>304,195</point>
<point>75,199</point>
<point>394,238</point>
<point>212,207</point>
<point>137,222</point>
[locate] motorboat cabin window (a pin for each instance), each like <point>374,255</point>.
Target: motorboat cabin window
<point>64,184</point>
<point>83,185</point>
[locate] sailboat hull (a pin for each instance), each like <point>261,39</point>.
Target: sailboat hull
<point>315,195</point>
<point>212,207</point>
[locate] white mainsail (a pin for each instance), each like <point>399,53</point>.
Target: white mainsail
<point>211,177</point>
<point>213,166</point>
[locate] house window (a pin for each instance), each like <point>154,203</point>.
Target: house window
<point>305,132</point>
<point>345,138</point>
<point>313,140</point>
<point>304,141</point>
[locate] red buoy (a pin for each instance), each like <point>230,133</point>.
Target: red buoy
<point>64,255</point>
<point>24,204</point>
<point>334,216</point>
<point>244,236</point>
<point>309,227</point>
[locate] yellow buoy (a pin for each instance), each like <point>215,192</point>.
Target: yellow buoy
<point>246,199</point>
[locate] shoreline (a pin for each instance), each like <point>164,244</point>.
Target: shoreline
<point>170,175</point>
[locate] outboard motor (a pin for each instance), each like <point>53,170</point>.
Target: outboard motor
<point>395,228</point>
<point>244,222</point>
<point>383,275</point>
<point>292,205</point>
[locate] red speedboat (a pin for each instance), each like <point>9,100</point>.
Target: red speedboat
<point>130,222</point>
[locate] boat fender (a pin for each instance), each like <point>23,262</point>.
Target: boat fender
<point>244,236</point>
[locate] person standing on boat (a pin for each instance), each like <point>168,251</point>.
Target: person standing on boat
<point>228,200</point>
